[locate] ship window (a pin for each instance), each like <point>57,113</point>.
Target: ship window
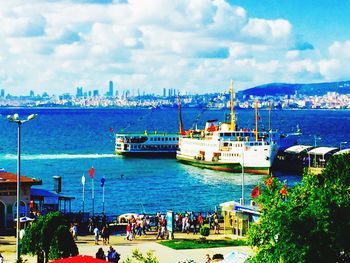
<point>166,138</point>
<point>151,139</point>
<point>162,139</point>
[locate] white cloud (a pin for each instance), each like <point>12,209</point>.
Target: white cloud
<point>268,30</point>
<point>194,45</point>
<point>340,49</point>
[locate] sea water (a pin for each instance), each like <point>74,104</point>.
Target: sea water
<point>68,142</point>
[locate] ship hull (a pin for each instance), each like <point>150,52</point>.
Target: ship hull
<point>147,154</point>
<point>222,166</point>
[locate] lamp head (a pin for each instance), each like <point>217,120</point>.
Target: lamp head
<point>13,117</point>
<point>31,117</point>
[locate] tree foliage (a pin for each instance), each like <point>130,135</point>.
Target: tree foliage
<point>137,255</point>
<point>307,223</point>
<point>204,230</point>
<point>49,233</point>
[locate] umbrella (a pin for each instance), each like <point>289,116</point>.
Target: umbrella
<point>235,257</point>
<point>25,219</point>
<point>80,259</point>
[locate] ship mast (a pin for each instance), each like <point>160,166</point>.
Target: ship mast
<point>270,116</point>
<point>256,119</point>
<point>181,126</point>
<point>233,117</point>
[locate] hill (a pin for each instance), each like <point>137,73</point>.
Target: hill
<point>281,89</point>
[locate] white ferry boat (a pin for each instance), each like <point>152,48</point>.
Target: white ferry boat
<point>223,147</point>
<point>145,144</point>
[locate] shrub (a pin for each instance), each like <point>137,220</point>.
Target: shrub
<point>204,230</point>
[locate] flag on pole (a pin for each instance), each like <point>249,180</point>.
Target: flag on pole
<point>103,182</point>
<point>83,180</point>
<point>92,172</point>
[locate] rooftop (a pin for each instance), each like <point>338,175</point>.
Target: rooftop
<point>10,178</point>
<point>322,150</point>
<point>298,148</point>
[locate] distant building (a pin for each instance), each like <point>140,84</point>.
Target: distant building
<point>8,197</point>
<point>79,92</point>
<point>95,93</point>
<point>110,91</point>
<point>170,92</point>
<point>2,94</point>
<point>90,93</point>
<point>45,95</point>
<point>164,92</point>
<point>31,94</point>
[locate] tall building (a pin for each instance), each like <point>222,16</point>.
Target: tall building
<point>164,92</point>
<point>31,94</point>
<point>169,92</point>
<point>2,94</point>
<point>95,93</point>
<point>110,91</point>
<point>79,92</point>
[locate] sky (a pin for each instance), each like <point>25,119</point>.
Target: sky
<point>193,46</point>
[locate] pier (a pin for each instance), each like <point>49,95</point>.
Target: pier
<point>298,158</point>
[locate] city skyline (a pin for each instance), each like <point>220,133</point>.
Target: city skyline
<point>191,46</point>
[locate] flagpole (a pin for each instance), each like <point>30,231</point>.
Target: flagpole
<point>83,182</point>
<point>93,196</point>
<point>103,199</point>
<point>92,172</point>
<point>103,193</point>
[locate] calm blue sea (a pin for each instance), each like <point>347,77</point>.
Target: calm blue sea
<point>67,142</point>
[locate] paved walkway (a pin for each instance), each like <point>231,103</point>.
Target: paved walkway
<point>124,248</point>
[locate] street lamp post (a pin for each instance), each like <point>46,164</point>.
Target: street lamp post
<point>15,118</point>
<point>242,178</point>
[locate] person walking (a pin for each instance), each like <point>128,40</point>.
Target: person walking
<point>97,235</point>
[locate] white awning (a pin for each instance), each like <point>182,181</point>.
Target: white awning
<point>298,149</point>
<point>322,150</point>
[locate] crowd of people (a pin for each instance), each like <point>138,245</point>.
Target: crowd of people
<point>138,225</point>
<point>191,222</point>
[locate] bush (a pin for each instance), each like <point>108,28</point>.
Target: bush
<point>204,230</point>
<point>307,223</point>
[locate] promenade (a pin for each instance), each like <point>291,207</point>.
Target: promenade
<point>125,247</point>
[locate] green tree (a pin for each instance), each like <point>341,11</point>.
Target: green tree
<point>307,223</point>
<point>49,234</point>
<point>137,255</point>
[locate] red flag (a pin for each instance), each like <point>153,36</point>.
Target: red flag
<point>255,192</point>
<point>269,181</point>
<point>283,191</point>
<point>111,130</point>
<point>92,172</point>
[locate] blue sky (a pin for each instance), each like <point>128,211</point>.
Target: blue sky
<point>193,46</point>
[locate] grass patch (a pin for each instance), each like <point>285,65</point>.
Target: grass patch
<point>194,244</point>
